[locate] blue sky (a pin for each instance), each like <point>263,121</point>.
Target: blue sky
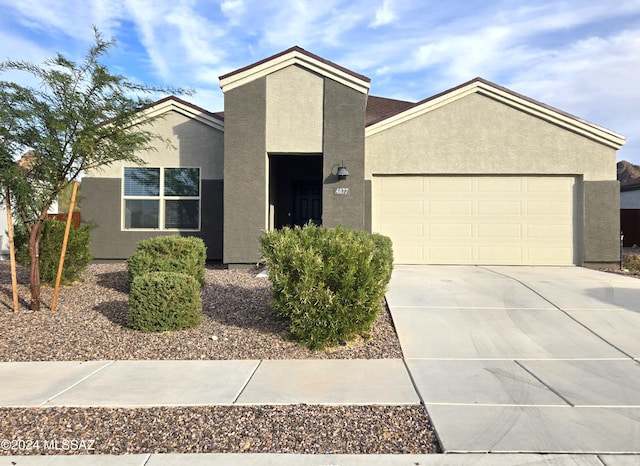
<point>582,56</point>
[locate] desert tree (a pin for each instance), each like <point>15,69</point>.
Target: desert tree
<point>79,117</point>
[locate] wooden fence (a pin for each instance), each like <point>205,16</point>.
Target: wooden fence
<point>75,218</point>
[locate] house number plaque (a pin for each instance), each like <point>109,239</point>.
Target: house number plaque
<point>341,192</point>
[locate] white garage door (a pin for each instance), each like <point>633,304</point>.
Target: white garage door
<point>508,220</point>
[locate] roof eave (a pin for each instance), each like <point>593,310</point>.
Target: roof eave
<point>184,108</point>
<point>294,56</point>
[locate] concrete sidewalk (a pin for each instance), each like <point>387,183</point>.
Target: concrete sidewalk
<point>201,383</point>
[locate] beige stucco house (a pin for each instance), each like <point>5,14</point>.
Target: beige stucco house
<point>477,174</point>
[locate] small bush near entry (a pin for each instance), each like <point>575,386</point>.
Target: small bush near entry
<point>163,301</point>
<point>77,256</point>
<point>180,254</point>
<point>328,283</point>
<point>631,262</point>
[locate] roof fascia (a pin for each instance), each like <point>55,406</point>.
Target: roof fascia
<point>550,114</point>
<point>293,57</point>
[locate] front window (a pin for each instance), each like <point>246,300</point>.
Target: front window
<point>161,198</point>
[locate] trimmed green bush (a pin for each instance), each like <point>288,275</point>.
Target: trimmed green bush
<point>631,262</point>
<point>77,256</point>
<point>327,283</point>
<point>164,301</point>
<point>180,254</point>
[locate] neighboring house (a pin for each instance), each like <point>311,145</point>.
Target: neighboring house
<point>4,229</point>
<point>475,175</point>
<point>630,213</point>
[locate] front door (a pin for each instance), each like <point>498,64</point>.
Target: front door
<point>307,202</point>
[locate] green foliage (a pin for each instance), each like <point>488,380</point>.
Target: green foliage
<point>328,283</point>
<point>631,262</point>
<point>164,301</point>
<point>77,256</point>
<point>64,199</point>
<point>183,254</point>
<point>78,117</point>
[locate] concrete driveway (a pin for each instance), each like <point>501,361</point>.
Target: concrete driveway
<point>523,359</point>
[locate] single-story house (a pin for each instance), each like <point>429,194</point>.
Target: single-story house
<point>477,174</point>
<point>630,213</point>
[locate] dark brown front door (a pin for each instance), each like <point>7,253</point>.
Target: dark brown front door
<point>307,202</point>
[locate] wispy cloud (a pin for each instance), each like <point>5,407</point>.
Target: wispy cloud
<point>579,56</point>
<point>384,14</point>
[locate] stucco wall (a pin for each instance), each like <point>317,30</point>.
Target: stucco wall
<point>245,187</point>
<point>294,111</point>
<point>601,223</point>
<point>102,208</point>
<point>343,142</point>
<point>192,144</point>
<point>630,199</point>
<point>475,135</point>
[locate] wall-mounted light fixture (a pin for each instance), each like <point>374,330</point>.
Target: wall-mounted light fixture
<point>342,172</point>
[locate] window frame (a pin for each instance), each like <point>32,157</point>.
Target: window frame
<point>161,199</point>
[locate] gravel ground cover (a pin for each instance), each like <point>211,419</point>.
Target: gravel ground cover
<point>219,429</point>
<point>90,324</point>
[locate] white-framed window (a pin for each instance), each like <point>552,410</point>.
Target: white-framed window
<point>161,198</point>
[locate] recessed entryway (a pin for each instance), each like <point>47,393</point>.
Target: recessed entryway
<point>295,190</point>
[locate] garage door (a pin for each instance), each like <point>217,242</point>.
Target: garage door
<point>508,220</point>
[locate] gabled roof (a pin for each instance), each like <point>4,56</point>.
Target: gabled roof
<point>507,96</point>
<point>173,103</point>
<point>294,56</point>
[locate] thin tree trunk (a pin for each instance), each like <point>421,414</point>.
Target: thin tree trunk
<point>34,254</point>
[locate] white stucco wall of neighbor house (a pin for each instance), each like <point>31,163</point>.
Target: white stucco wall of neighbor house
<point>630,199</point>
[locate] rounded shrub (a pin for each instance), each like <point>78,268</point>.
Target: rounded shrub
<point>163,301</point>
<point>180,254</point>
<point>327,283</point>
<point>77,256</point>
<point>631,262</point>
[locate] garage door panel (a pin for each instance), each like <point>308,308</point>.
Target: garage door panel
<point>499,185</point>
<point>405,208</point>
<point>499,230</point>
<point>516,220</point>
<point>450,230</point>
<point>500,208</point>
<point>408,254</point>
<point>549,208</point>
<point>549,185</point>
<point>549,231</point>
<point>451,254</point>
<point>450,208</point>
<point>413,231</point>
<point>449,185</point>
<point>500,254</point>
<point>402,184</point>
<point>548,255</point>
